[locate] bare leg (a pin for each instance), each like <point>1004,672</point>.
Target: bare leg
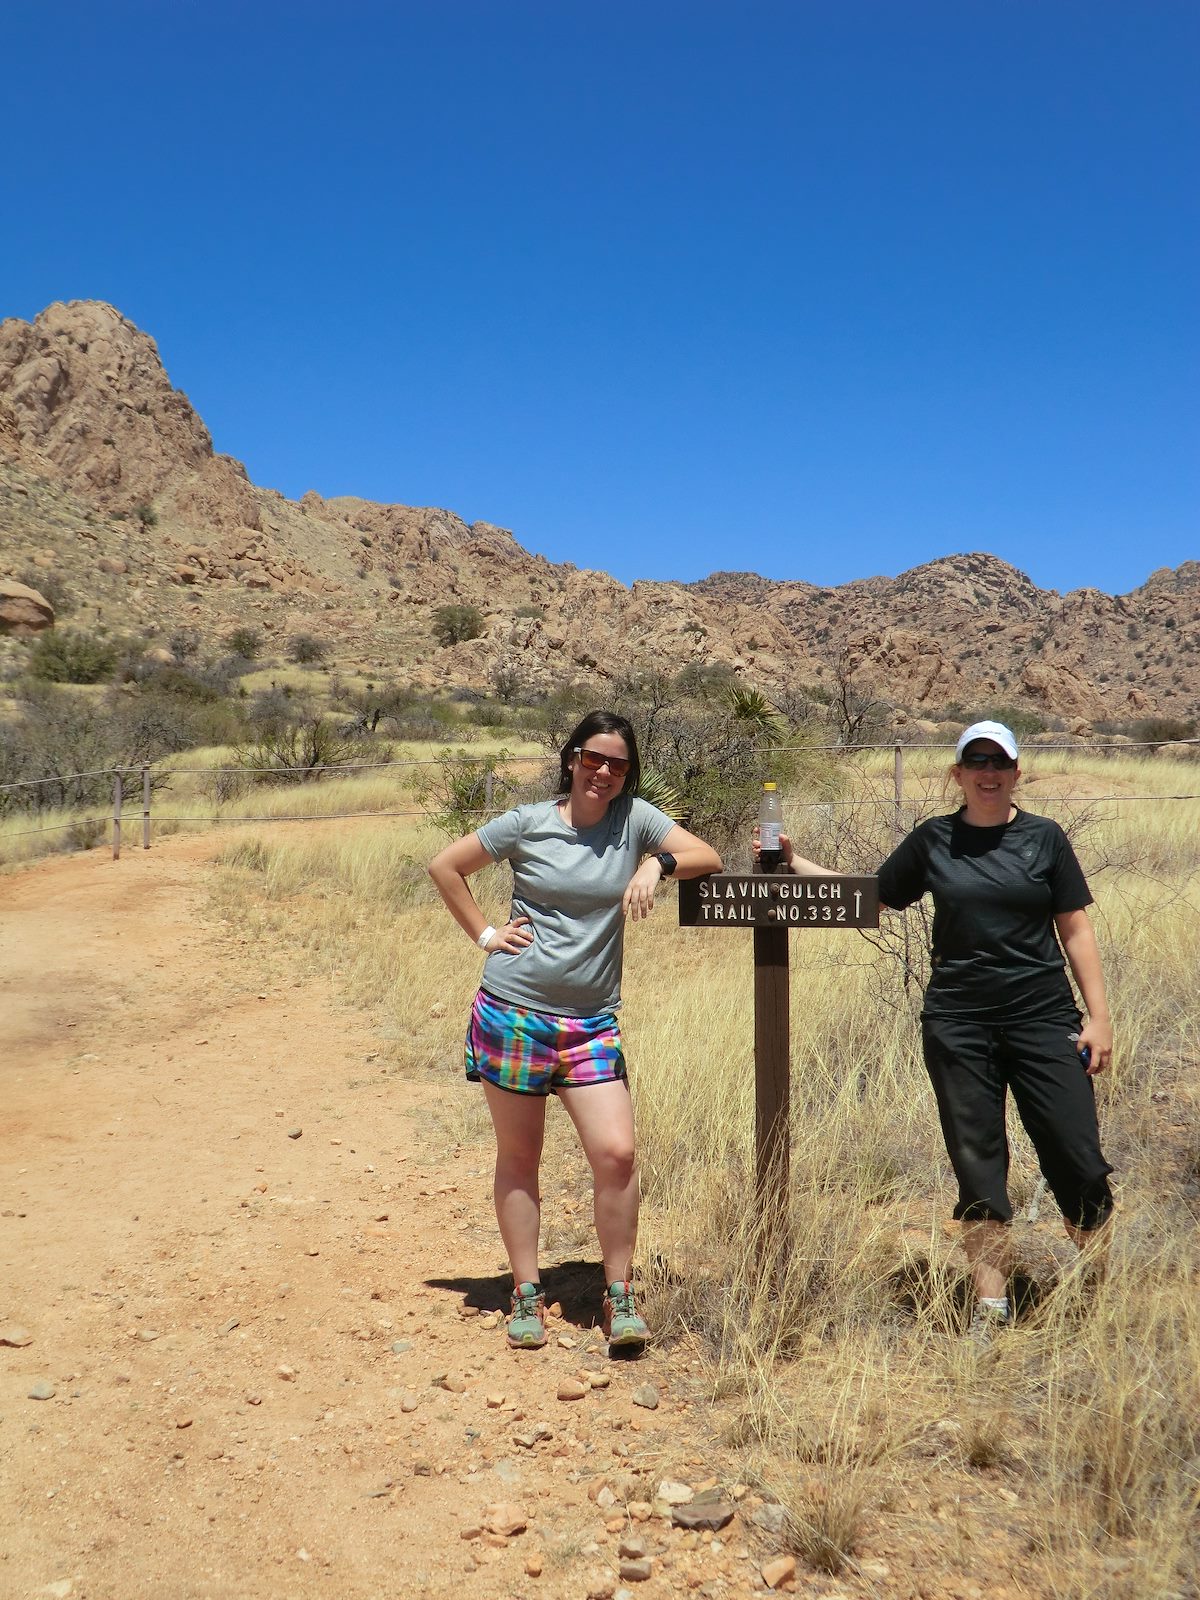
<point>520,1124</point>
<point>603,1118</point>
<point>986,1247</point>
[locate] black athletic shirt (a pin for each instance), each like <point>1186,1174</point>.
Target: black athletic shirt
<point>996,956</point>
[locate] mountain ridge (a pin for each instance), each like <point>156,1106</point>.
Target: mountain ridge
<point>110,484</point>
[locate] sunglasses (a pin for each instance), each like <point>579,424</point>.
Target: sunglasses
<point>982,760</point>
<point>593,760</point>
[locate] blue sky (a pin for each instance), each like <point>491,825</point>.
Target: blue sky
<point>820,291</point>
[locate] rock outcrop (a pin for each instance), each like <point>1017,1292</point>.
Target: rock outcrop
<point>23,611</point>
<point>109,484</point>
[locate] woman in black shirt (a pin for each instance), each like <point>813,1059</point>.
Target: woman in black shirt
<point>1009,900</point>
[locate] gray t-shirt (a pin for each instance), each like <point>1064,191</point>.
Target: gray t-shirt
<point>569,882</point>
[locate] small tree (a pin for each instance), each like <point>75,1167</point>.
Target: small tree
<point>464,790</point>
<point>858,713</point>
<point>1163,730</point>
<point>306,649</point>
<point>244,642</point>
<point>146,515</point>
<point>456,624</point>
<point>184,643</point>
<point>63,656</point>
<point>302,751</point>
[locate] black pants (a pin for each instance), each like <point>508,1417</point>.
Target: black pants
<point>972,1065</point>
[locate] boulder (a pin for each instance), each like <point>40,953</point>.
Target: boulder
<point>23,611</point>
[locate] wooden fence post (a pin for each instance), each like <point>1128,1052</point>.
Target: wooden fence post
<point>145,808</point>
<point>898,790</point>
<point>116,816</point>
<point>772,1073</point>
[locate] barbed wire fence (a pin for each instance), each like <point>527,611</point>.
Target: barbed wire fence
<point>129,783</point>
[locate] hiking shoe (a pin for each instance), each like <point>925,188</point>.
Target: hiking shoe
<point>622,1325</point>
<point>527,1321</point>
<point>986,1323</point>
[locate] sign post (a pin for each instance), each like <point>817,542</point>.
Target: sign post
<point>771,905</point>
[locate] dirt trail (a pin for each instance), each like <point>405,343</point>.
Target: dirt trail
<point>245,1331</point>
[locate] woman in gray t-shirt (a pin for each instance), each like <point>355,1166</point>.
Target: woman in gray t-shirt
<point>544,1019</point>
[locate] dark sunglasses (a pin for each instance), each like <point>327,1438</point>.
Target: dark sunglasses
<point>593,760</point>
<point>982,759</point>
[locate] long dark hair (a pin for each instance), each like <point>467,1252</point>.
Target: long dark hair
<point>600,722</point>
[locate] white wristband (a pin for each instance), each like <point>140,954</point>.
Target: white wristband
<point>485,938</point>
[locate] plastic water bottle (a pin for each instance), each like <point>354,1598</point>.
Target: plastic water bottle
<point>770,826</point>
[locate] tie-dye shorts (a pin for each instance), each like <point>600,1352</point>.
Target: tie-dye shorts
<point>535,1052</point>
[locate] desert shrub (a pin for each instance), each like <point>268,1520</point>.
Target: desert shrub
<point>203,681</point>
<point>510,680</point>
<point>487,714</point>
<point>462,791</point>
<point>244,642</point>
<point>1020,719</point>
<point>301,750</point>
<point>306,649</point>
<point>371,703</point>
<point>169,722</point>
<point>425,720</point>
<point>456,624</point>
<point>63,747</point>
<point>146,515</point>
<point>713,752</point>
<point>63,655</point>
<point>279,704</point>
<point>184,643</point>
<point>1163,730</point>
<point>705,680</point>
<point>705,746</point>
<point>182,684</point>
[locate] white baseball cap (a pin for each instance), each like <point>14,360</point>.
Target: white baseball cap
<point>995,731</point>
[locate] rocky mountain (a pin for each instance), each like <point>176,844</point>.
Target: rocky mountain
<point>113,499</point>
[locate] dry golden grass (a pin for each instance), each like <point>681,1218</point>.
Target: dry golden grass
<point>833,1336</point>
<point>204,790</point>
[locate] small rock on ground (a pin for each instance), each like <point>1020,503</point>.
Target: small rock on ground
<point>778,1571</point>
<point>636,1571</point>
<point>708,1515</point>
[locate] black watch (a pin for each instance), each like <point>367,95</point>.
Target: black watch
<point>667,862</point>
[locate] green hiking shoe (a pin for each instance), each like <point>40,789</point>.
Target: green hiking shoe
<point>623,1327</point>
<point>527,1321</point>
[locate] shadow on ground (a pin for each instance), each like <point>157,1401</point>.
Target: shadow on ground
<point>578,1286</point>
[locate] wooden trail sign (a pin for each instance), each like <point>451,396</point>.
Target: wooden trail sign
<point>755,900</point>
<point>770,905</point>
